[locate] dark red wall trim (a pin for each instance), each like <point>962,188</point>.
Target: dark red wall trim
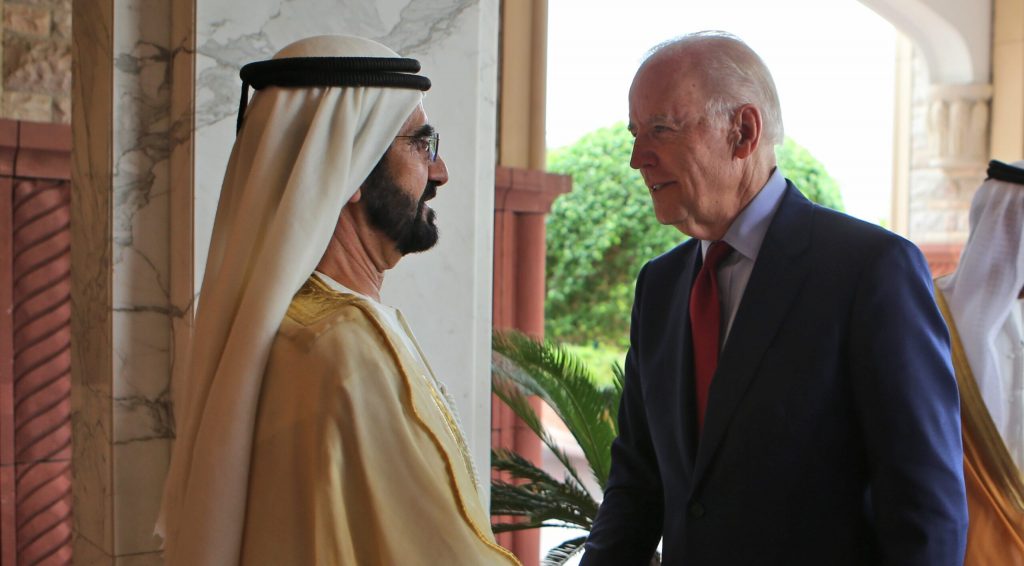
<point>35,337</point>
<point>522,199</point>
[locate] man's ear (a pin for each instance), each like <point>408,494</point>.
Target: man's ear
<point>356,196</point>
<point>746,131</point>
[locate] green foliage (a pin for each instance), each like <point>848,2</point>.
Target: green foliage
<point>808,174</point>
<point>600,358</point>
<point>524,367</point>
<point>601,233</point>
<point>541,499</point>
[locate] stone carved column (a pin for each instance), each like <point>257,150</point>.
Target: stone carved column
<point>958,126</point>
<point>35,334</point>
<point>949,130</point>
<point>42,371</point>
<point>949,169</point>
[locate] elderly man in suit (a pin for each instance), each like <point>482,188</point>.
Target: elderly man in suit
<point>789,397</point>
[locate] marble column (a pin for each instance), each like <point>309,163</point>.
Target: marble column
<point>153,121</point>
<point>121,329</point>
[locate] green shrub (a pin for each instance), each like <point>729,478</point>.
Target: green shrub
<point>599,236</point>
<point>808,174</point>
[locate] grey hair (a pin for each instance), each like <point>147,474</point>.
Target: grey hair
<point>732,75</point>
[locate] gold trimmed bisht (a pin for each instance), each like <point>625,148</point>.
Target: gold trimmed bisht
<point>356,459</point>
<point>995,486</point>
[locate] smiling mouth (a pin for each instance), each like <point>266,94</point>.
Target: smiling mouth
<point>656,187</point>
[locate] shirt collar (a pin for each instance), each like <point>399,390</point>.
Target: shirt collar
<point>341,288</point>
<point>748,230</point>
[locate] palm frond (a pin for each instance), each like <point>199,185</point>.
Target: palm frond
<point>561,554</point>
<point>498,528</point>
<point>565,384</point>
<point>505,460</point>
<point>562,500</point>
<point>618,382</point>
<point>536,509</point>
<point>513,397</point>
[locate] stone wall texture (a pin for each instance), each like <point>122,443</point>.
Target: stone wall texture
<point>940,200</point>
<point>35,61</point>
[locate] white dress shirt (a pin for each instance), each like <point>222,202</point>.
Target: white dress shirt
<point>745,235</point>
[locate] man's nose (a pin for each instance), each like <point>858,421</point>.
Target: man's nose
<point>641,156</point>
<point>438,171</point>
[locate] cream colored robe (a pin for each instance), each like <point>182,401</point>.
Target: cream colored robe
<point>356,458</point>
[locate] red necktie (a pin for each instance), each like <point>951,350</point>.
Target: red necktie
<point>705,324</point>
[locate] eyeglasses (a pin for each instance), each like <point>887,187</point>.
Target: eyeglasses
<point>428,143</point>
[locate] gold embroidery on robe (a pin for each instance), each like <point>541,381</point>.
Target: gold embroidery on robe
<point>354,458</point>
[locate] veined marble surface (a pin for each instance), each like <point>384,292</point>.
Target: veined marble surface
<point>124,145</point>
<point>445,293</point>
<point>141,270</point>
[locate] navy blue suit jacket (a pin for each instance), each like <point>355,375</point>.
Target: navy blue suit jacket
<point>832,433</point>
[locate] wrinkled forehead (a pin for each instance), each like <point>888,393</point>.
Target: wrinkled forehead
<point>665,88</point>
<point>678,70</point>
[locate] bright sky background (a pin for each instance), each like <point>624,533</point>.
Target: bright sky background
<point>833,62</point>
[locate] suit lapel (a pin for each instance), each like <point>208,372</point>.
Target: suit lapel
<point>687,426</point>
<point>774,284</point>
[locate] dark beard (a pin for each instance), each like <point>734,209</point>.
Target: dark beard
<point>408,222</point>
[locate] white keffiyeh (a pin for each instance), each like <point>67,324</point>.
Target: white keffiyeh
<point>983,299</point>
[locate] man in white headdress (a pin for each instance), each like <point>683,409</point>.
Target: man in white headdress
<point>982,305</point>
<point>311,430</point>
